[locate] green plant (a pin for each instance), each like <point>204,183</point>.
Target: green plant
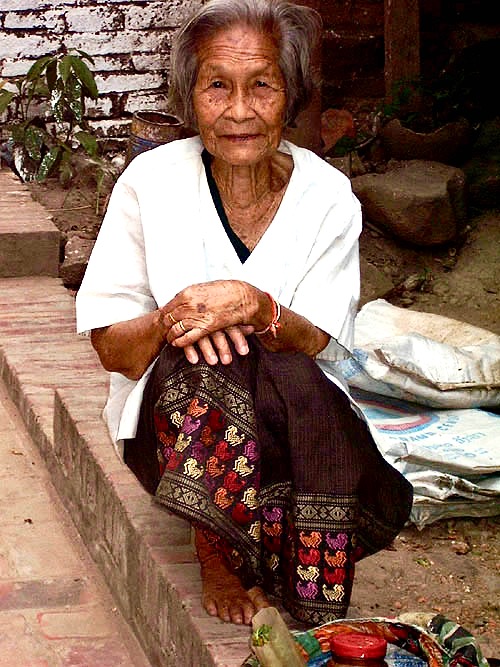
<point>49,124</point>
<point>426,105</point>
<point>403,95</point>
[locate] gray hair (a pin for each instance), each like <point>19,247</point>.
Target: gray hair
<point>295,29</point>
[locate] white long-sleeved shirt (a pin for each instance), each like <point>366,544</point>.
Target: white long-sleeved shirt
<point>161,233</point>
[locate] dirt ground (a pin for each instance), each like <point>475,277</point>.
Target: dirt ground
<point>453,566</point>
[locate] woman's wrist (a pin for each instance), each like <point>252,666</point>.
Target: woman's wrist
<point>273,326</point>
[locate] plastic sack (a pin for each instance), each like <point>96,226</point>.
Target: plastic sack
<point>451,457</point>
<point>425,358</point>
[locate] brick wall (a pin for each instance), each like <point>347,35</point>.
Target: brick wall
<point>128,39</point>
<point>130,42</point>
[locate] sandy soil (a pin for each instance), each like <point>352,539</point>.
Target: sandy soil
<point>451,567</point>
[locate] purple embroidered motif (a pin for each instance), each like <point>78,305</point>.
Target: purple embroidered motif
<point>251,451</point>
<point>190,425</point>
<point>199,452</point>
<point>275,514</point>
<point>338,542</point>
<point>308,591</point>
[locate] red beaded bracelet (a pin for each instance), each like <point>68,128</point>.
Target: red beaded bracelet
<point>274,325</point>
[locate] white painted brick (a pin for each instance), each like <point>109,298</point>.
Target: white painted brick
<point>9,87</point>
<point>17,46</point>
<point>119,83</point>
<point>93,19</point>
<point>168,14</point>
<point>49,20</point>
<point>137,102</point>
<point>112,64</point>
<point>20,5</point>
<point>103,44</point>
<point>18,67</point>
<point>151,62</point>
<point>103,106</point>
<point>23,5</point>
<point>110,128</point>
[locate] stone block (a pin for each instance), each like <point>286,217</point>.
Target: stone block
<point>76,256</point>
<point>29,240</point>
<point>420,202</point>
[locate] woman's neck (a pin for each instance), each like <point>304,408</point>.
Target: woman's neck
<point>244,187</point>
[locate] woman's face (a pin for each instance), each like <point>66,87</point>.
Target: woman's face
<point>239,97</point>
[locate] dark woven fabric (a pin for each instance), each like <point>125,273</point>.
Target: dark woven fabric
<point>269,455</point>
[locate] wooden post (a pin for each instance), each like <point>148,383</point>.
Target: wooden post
<point>308,130</point>
<point>402,47</point>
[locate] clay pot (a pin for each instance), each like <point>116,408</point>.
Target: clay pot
<point>150,129</point>
<point>446,144</point>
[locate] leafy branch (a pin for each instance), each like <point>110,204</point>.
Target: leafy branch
<point>49,115</point>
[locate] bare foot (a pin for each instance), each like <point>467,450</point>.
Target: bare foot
<point>223,594</point>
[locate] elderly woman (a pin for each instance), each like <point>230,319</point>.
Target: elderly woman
<point>220,293</point>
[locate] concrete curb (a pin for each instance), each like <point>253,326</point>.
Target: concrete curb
<point>59,388</point>
<point>144,552</point>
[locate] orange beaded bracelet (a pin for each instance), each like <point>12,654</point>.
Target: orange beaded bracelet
<point>274,325</point>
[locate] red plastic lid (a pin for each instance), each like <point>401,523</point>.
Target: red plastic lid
<point>358,645</point>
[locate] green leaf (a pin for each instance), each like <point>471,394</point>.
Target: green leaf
<point>89,143</point>
<point>51,74</point>
<point>64,68</point>
<point>74,99</point>
<point>6,97</point>
<point>66,171</point>
<point>17,132</point>
<point>85,76</point>
<point>85,55</point>
<point>26,168</point>
<point>57,104</point>
<point>34,139</point>
<point>48,163</point>
<point>38,67</point>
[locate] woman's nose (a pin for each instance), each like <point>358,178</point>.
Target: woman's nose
<point>241,105</point>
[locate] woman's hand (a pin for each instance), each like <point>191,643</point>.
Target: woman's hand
<point>216,347</point>
<point>203,318</point>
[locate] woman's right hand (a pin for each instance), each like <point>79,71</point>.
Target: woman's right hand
<point>216,347</point>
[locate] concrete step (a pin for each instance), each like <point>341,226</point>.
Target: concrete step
<point>59,387</point>
<point>55,607</point>
<point>145,553</point>
<point>29,240</point>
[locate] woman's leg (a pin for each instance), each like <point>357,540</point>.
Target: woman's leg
<point>223,592</point>
<point>268,455</point>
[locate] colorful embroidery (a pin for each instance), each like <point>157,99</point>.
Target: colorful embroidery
<point>297,546</point>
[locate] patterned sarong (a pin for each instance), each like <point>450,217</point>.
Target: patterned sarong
<point>268,454</point>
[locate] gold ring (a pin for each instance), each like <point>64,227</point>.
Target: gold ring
<point>171,318</point>
<point>182,326</point>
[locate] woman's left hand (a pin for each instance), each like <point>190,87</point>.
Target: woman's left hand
<point>203,317</point>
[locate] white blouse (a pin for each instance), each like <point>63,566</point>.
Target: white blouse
<point>161,233</point>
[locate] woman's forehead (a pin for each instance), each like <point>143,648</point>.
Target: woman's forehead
<point>238,42</point>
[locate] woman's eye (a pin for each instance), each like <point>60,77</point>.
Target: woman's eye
<point>217,84</point>
<point>261,84</point>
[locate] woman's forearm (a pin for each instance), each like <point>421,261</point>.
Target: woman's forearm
<point>130,347</point>
<point>295,334</point>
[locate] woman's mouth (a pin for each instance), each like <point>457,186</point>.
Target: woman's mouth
<point>240,138</point>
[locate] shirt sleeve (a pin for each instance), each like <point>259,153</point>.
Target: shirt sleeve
<point>328,293</point>
<point>115,286</point>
